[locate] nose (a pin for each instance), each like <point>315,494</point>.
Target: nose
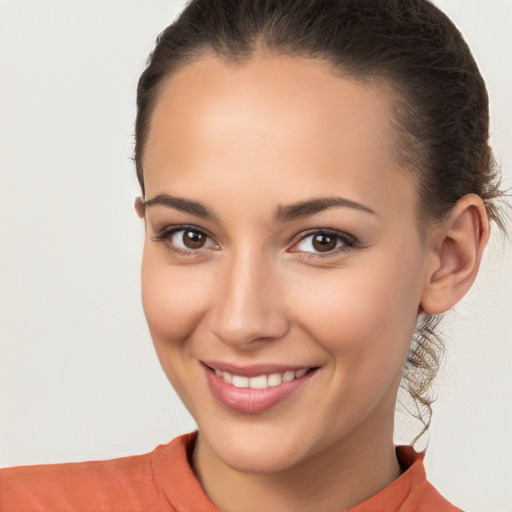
<point>248,307</point>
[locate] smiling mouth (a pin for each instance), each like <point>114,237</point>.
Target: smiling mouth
<point>262,381</point>
<point>260,389</point>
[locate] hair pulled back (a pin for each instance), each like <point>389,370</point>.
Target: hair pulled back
<point>439,99</point>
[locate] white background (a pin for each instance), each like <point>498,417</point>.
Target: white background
<point>78,377</point>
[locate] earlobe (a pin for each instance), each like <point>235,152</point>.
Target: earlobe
<point>458,245</point>
<point>139,207</point>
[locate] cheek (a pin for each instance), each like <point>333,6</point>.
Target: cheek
<point>367,308</point>
<point>173,299</point>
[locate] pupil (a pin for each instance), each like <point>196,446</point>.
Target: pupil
<point>324,243</point>
<point>193,239</point>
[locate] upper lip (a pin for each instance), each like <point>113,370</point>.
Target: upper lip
<point>253,370</point>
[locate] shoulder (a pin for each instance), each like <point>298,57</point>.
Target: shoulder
<point>422,496</point>
<point>411,492</point>
<point>128,483</point>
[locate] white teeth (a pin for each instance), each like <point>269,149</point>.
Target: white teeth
<point>261,381</point>
<point>288,376</point>
<point>240,381</point>
<point>274,379</point>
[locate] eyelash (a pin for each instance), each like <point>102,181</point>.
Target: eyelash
<point>165,235</point>
<point>348,241</point>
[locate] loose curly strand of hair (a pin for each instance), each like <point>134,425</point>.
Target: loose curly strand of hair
<point>423,363</point>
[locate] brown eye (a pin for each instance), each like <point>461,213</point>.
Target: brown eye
<point>194,239</point>
<point>186,241</point>
<point>324,242</point>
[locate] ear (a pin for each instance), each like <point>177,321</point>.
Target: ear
<point>139,207</point>
<point>457,247</point>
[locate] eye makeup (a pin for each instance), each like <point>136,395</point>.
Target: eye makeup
<point>190,241</point>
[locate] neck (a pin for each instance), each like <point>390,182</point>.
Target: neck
<point>336,479</point>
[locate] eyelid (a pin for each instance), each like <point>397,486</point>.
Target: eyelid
<point>163,235</point>
<point>169,230</point>
<point>349,242</point>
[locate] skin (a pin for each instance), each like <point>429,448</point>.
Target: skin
<point>244,140</point>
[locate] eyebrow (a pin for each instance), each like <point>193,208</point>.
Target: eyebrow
<point>282,214</point>
<point>312,206</point>
<point>179,203</point>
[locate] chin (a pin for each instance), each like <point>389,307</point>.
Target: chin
<point>255,458</point>
<point>257,448</point>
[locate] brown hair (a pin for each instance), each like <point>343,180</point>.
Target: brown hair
<point>412,48</point>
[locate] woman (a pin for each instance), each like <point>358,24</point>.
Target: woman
<point>316,186</point>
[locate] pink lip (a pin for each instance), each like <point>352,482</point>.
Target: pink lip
<point>248,400</point>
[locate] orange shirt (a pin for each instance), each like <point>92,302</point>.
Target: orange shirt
<point>163,481</point>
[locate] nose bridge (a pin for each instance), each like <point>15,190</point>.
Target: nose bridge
<point>248,306</point>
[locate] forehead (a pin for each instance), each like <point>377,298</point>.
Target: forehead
<point>280,119</point>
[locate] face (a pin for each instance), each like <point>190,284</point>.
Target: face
<point>282,254</point>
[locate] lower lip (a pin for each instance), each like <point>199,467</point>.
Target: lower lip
<point>249,400</point>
